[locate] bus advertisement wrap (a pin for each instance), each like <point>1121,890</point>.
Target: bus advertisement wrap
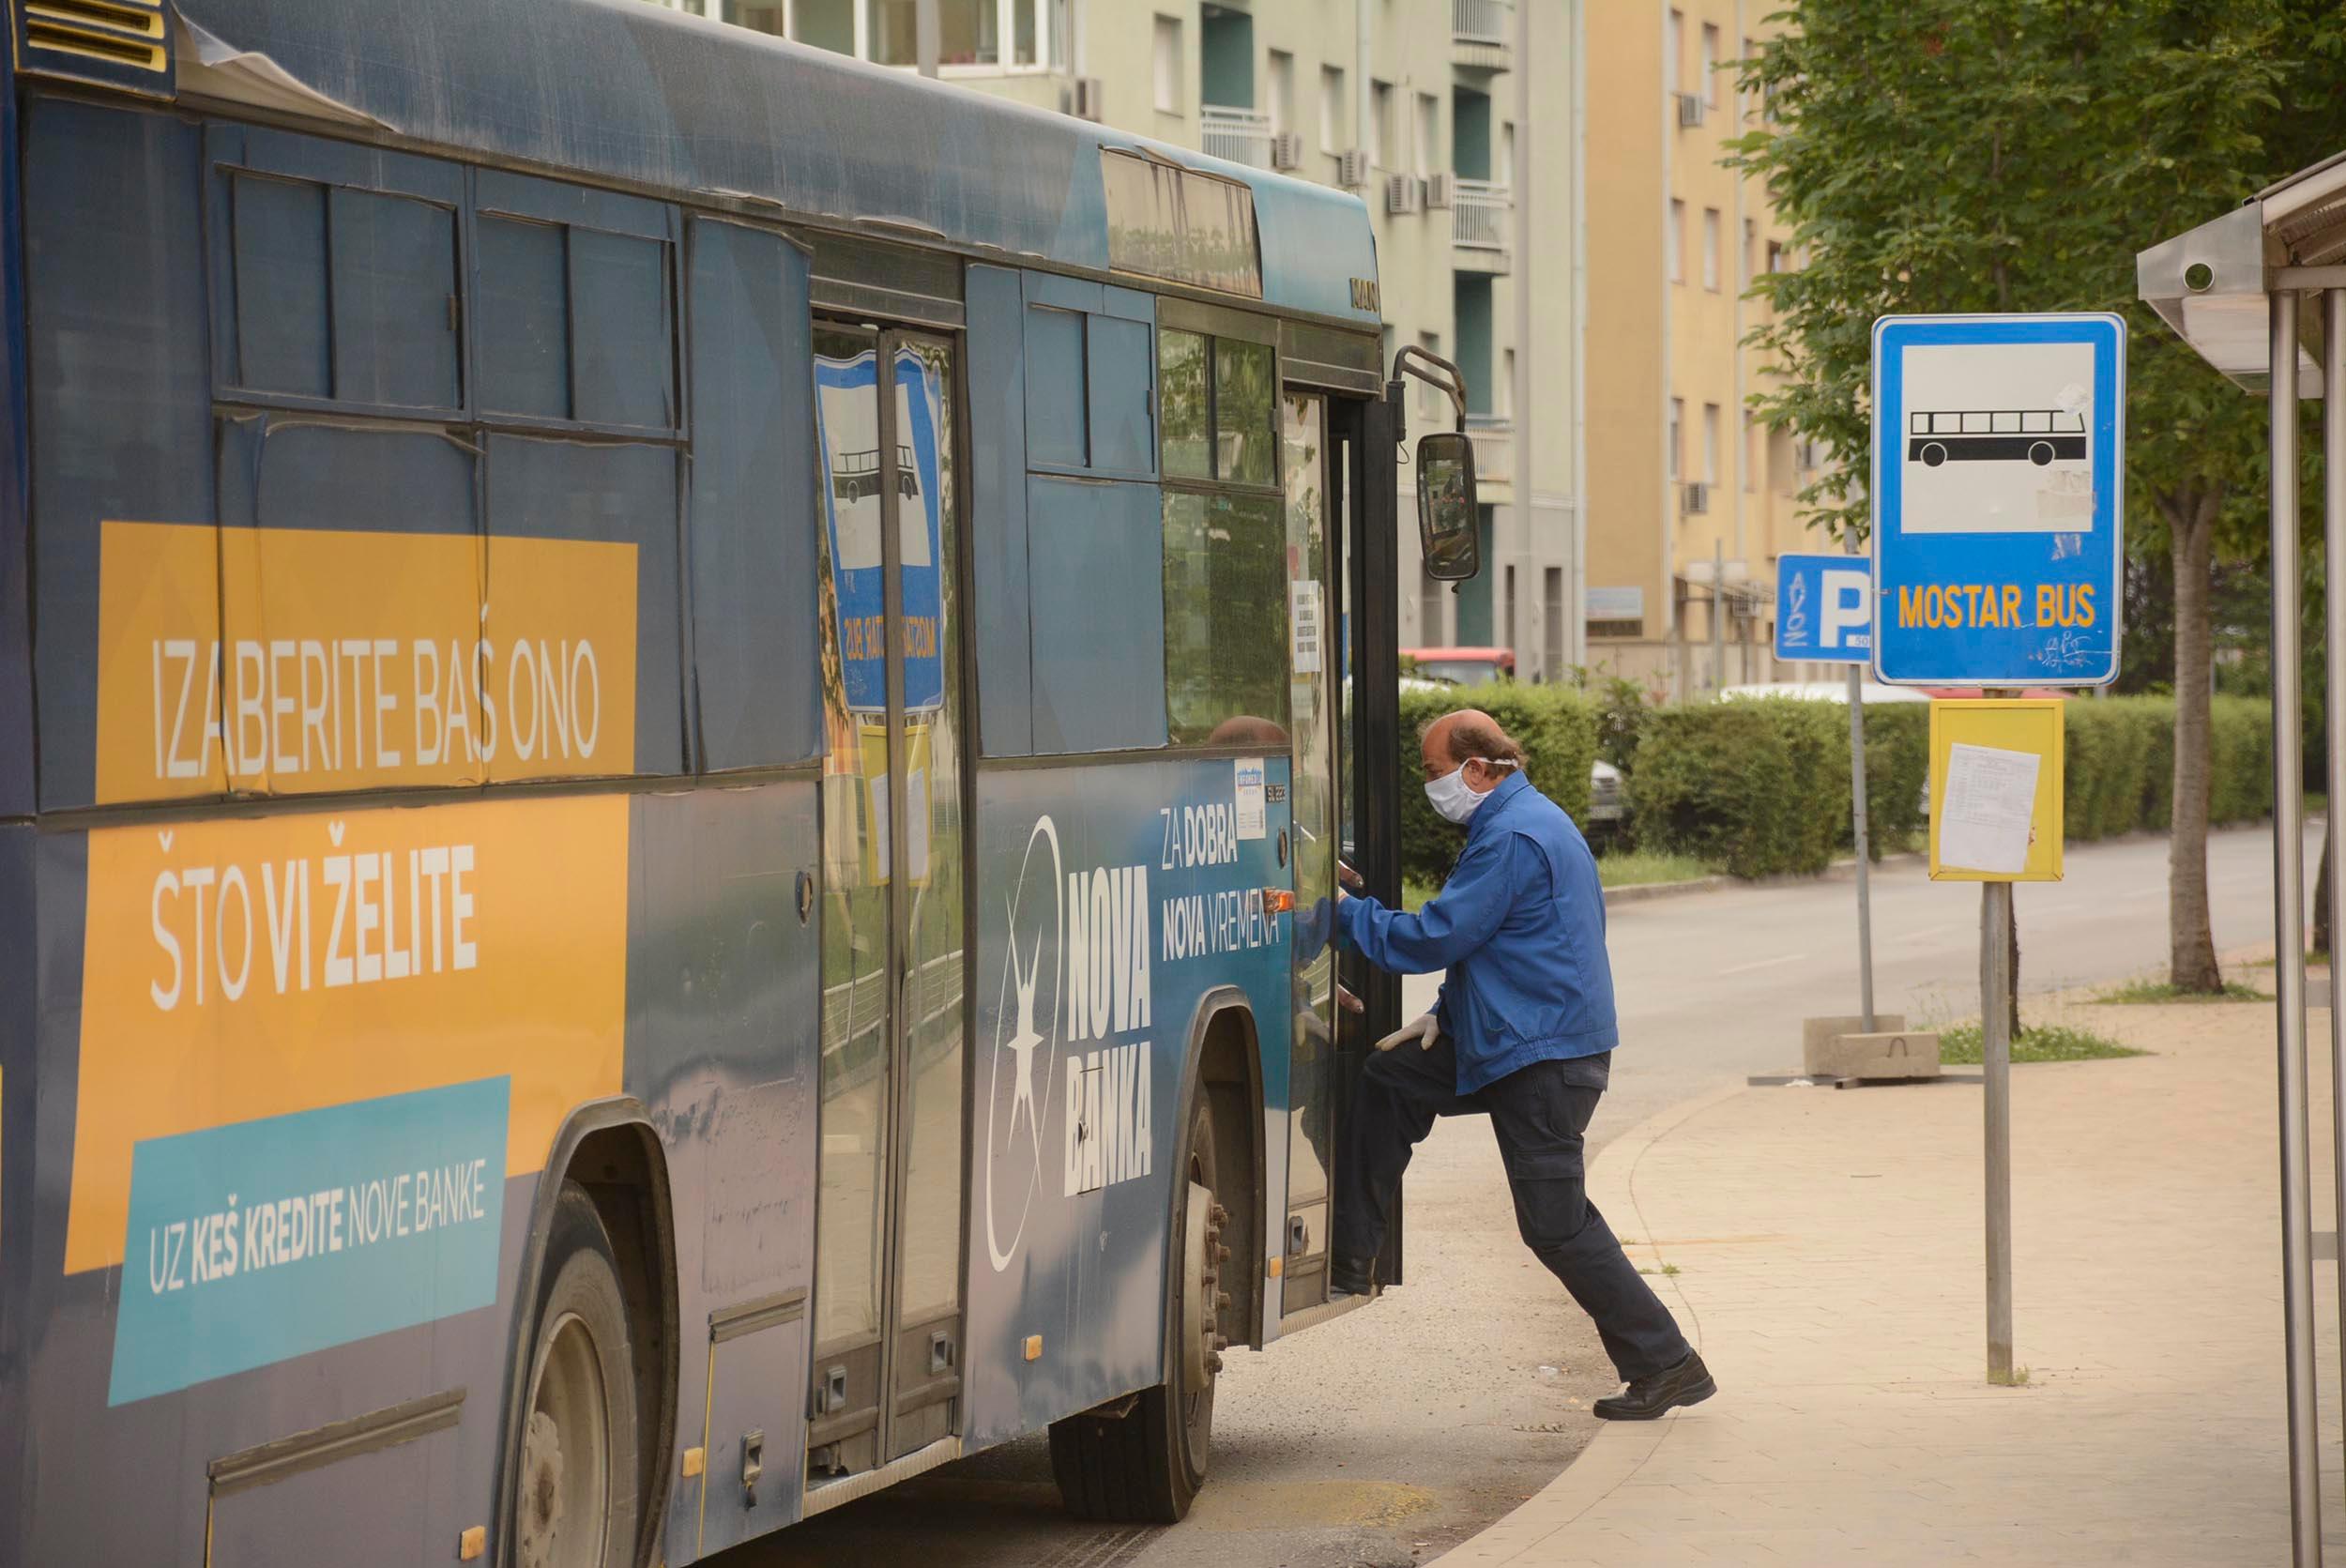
<point>266,1240</point>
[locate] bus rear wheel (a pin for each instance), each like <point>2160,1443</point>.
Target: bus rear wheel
<point>575,1502</point>
<point>1145,1463</point>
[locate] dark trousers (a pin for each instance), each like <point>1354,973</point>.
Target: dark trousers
<point>1539,1119</point>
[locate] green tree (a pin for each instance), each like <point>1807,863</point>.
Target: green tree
<point>1994,155</point>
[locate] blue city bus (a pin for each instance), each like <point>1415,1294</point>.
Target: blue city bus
<point>670,774</point>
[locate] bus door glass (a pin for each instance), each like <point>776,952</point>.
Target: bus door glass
<point>887,1291</point>
<point>1313,688</point>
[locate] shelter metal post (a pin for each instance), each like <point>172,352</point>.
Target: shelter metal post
<point>1865,847</point>
<point>2334,700</point>
<point>2289,933</point>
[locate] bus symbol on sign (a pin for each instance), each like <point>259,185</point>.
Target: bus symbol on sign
<point>2012,435</point>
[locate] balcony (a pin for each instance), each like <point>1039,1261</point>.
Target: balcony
<point>1493,439</point>
<point>1241,135</point>
<point>1480,225</point>
<point>1481,34</point>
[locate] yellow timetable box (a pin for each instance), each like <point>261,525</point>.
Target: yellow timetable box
<point>2003,739</point>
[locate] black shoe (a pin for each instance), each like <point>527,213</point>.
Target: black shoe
<point>1352,1276</point>
<point>1687,1383</point>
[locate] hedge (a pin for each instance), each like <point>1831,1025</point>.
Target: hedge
<point>1556,726</point>
<point>1761,788</point>
<point>2119,766</point>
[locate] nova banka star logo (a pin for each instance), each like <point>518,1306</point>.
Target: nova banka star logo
<point>1026,1041</point>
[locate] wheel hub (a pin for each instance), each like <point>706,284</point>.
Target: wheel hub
<point>541,1492</point>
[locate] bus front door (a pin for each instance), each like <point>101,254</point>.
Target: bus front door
<point>1314,689</point>
<point>888,1309</point>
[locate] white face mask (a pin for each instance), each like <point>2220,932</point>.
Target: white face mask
<point>1454,797</point>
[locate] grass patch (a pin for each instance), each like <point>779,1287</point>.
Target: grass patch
<point>2138,992</point>
<point>1415,894</point>
<point>1637,868</point>
<point>1960,1045</point>
<point>2314,959</point>
<point>2017,1379</point>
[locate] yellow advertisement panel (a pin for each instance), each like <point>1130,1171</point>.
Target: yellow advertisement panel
<point>290,661</point>
<point>246,968</point>
<point>1996,789</point>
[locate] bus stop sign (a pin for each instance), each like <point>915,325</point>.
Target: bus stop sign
<point>1999,465</point>
<point>1822,609</point>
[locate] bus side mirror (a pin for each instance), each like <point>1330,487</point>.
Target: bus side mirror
<point>1447,536</point>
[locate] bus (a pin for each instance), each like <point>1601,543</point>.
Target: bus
<point>674,739</point>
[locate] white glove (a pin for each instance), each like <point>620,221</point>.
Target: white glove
<point>1422,1029</point>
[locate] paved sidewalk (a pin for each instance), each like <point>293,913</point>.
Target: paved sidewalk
<point>1829,1258</point>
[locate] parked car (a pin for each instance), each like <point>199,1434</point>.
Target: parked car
<point>1823,690</point>
<point>1462,666</point>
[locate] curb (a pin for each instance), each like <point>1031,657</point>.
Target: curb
<point>1839,871</point>
<point>1620,1449</point>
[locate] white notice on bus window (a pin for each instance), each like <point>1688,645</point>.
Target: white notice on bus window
<point>1303,617</point>
<point>1990,798</point>
<point>1252,822</point>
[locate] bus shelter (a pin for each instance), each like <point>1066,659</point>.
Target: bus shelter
<point>2260,294</point>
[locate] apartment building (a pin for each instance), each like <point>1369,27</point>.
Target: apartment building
<point>1691,500</point>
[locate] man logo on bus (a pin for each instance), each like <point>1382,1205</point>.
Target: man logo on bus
<point>2036,436</point>
<point>1026,1041</point>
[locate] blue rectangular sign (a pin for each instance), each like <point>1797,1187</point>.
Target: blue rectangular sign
<point>1999,469</point>
<point>848,424</point>
<point>1823,609</point>
<point>261,1241</point>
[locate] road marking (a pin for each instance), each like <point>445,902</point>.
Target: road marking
<point>1764,964</point>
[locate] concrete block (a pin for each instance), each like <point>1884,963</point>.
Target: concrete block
<point>1882,1054</point>
<point>1818,1033</point>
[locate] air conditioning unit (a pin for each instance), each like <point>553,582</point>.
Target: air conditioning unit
<point>1352,169</point>
<point>1697,499</point>
<point>1287,150</point>
<point>1089,100</point>
<point>1401,193</point>
<point>1442,190</point>
<point>1691,109</point>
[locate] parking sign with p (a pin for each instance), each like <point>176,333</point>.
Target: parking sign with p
<point>1824,609</point>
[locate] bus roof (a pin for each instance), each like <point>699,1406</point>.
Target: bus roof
<point>638,95</point>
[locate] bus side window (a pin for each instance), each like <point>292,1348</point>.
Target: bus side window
<point>753,520</point>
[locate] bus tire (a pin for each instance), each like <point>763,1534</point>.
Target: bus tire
<point>1144,1463</point>
<point>576,1503</point>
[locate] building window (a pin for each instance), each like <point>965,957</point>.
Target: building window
<point>1711,249</point>
<point>1427,146</point>
<point>1507,156</point>
<point>889,36</point>
<point>1751,247</point>
<point>1380,134</point>
<point>1168,64</point>
<point>1675,241</point>
<point>1331,109</point>
<point>1433,404</point>
<point>1751,452</point>
<point>1710,65</point>
<point>1775,255</point>
<point>1282,92</point>
<point>1678,419</point>
<point>1503,395</point>
<point>1711,444</point>
<point>1430,599</point>
<point>1673,50</point>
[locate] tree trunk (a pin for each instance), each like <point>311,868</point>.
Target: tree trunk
<point>2190,940</point>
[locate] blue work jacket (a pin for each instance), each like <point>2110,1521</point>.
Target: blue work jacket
<point>1520,929</point>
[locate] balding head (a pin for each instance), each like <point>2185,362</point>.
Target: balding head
<point>1474,739</point>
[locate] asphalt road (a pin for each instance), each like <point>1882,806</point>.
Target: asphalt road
<point>1388,1435</point>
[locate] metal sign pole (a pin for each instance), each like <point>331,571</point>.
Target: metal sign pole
<point>1995,1032</point>
<point>1857,821</point>
<point>2333,610</point>
<point>2289,932</point>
